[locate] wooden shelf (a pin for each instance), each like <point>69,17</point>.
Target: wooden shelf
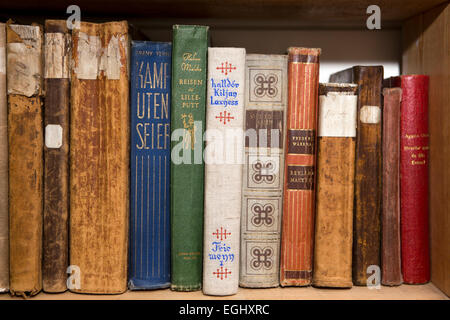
<point>403,292</point>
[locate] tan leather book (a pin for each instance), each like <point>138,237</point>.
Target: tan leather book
<point>57,49</point>
<point>335,185</point>
<point>4,230</point>
<point>25,140</point>
<point>99,145</point>
<point>367,212</point>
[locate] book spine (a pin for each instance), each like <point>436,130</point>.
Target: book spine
<point>25,140</point>
<point>335,185</point>
<point>368,172</point>
<point>99,153</point>
<point>223,169</point>
<point>263,173</point>
<point>4,219</point>
<point>55,246</point>
<point>414,144</point>
<point>149,258</point>
<point>300,171</point>
<point>187,168</point>
<point>391,274</point>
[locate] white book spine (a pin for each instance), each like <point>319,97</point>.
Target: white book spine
<point>223,169</point>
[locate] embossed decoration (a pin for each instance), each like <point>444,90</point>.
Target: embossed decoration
<point>262,258</point>
<point>262,214</point>
<point>265,85</point>
<point>226,117</point>
<point>263,172</point>
<point>222,234</point>
<point>222,274</point>
<point>226,68</point>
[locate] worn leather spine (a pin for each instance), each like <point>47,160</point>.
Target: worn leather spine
<point>4,216</point>
<point>414,162</point>
<point>56,156</point>
<point>263,174</point>
<point>335,185</point>
<point>99,153</point>
<point>300,168</point>
<point>391,274</point>
<point>368,172</point>
<point>25,140</point>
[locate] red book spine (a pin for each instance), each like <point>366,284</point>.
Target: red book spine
<point>414,143</point>
<point>299,183</point>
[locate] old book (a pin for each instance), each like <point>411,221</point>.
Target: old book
<point>223,169</point>
<point>335,185</point>
<point>4,220</point>
<point>55,256</point>
<point>391,274</point>
<point>367,211</point>
<point>187,168</point>
<point>99,153</point>
<point>300,168</point>
<point>414,149</point>
<point>25,140</point>
<point>263,173</point>
<point>149,259</point>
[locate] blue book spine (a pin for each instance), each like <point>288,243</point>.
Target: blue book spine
<point>149,265</point>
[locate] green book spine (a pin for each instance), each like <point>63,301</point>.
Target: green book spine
<point>187,168</point>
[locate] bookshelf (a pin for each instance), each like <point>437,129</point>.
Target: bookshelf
<point>414,38</point>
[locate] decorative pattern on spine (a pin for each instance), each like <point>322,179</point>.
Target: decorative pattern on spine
<point>367,212</point>
<point>391,274</point>
<point>4,220</point>
<point>150,165</point>
<point>99,153</point>
<point>57,50</point>
<point>262,185</point>
<point>223,169</point>
<point>335,185</point>
<point>25,140</point>
<point>414,144</point>
<point>299,172</point>
<point>187,169</point>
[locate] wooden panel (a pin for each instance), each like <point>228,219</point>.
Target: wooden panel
<point>427,51</point>
<point>325,11</point>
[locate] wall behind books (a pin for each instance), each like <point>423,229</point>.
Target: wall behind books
<point>341,48</point>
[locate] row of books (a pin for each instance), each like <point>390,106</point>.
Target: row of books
<point>171,164</point>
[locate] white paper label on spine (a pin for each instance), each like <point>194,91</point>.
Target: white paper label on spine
<point>53,136</point>
<point>370,114</point>
<point>56,56</point>
<point>337,115</point>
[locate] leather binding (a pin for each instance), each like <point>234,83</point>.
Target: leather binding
<point>223,170</point>
<point>300,168</point>
<point>187,169</point>
<point>368,171</point>
<point>99,153</point>
<point>414,153</point>
<point>335,185</point>
<point>149,259</point>
<point>4,220</point>
<point>263,173</point>
<point>391,274</point>
<point>25,140</point>
<point>56,156</point>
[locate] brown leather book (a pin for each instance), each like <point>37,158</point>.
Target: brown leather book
<point>99,153</point>
<point>25,140</point>
<point>335,185</point>
<point>297,234</point>
<point>367,212</point>
<point>4,230</point>
<point>56,156</point>
<point>391,274</point>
